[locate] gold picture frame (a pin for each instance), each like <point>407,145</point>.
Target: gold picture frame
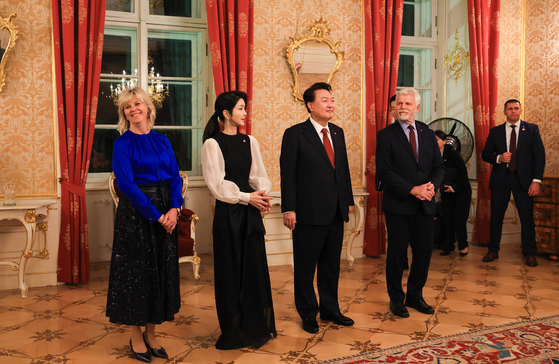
<point>6,24</point>
<point>323,62</point>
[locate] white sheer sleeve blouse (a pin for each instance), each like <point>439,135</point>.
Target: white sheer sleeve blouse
<point>213,168</point>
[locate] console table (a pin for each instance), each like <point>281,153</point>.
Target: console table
<point>26,213</point>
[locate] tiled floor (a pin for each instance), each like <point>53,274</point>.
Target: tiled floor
<point>67,324</point>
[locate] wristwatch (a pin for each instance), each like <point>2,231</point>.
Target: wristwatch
<point>178,211</point>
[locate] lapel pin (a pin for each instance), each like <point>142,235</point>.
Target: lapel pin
<point>523,128</point>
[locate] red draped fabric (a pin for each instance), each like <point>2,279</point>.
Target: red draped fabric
<point>231,30</point>
<point>383,32</point>
<point>483,25</point>
<point>78,28</point>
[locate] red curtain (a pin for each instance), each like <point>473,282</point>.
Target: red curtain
<point>78,28</point>
<point>483,21</point>
<point>383,32</point>
<point>231,29</point>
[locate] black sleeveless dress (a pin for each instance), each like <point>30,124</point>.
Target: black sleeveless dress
<point>243,294</point>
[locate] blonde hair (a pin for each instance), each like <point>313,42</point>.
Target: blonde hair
<point>124,99</point>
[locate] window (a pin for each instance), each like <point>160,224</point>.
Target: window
<point>160,46</point>
<point>418,47</point>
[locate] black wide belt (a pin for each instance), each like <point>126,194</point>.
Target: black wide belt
<point>163,189</point>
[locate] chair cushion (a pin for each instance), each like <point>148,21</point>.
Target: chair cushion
<point>186,243</point>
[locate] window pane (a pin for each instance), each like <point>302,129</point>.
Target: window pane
<point>107,112</point>
<point>187,145</point>
<point>425,111</point>
<point>183,106</point>
<point>119,51</point>
<point>175,54</point>
<point>183,8</point>
<point>120,5</point>
<point>102,151</point>
<point>417,18</point>
<point>414,69</point>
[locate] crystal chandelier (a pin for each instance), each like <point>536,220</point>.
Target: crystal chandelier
<point>156,90</point>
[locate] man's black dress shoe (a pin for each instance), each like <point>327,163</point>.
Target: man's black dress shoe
<point>158,353</point>
<point>143,357</point>
<point>420,305</point>
<point>398,309</point>
<point>490,256</point>
<point>338,319</point>
<point>531,261</point>
<point>310,325</point>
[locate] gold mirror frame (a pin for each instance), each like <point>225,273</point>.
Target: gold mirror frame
<point>318,33</point>
<point>6,23</point>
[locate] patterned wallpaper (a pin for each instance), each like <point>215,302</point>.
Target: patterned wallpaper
<point>541,77</point>
<point>274,109</point>
<point>510,54</point>
<point>27,136</point>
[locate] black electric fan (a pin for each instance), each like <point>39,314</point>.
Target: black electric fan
<point>458,136</point>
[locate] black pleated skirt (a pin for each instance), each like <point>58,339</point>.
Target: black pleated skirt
<point>144,280</point>
<point>243,293</point>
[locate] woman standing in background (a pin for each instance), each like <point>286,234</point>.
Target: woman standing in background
<point>456,196</point>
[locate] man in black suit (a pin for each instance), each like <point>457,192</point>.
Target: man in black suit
<point>516,151</point>
<point>316,199</point>
<point>409,163</point>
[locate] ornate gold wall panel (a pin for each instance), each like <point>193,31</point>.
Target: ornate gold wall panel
<point>27,137</point>
<point>273,108</point>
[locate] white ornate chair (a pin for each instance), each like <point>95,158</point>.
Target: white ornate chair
<point>186,226</point>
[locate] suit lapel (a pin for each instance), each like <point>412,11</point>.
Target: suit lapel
<point>311,134</point>
<point>521,135</point>
<point>503,137</point>
<point>338,144</point>
<point>401,135</point>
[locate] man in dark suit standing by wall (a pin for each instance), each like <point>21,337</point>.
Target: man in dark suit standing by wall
<point>316,198</point>
<point>516,151</point>
<point>409,163</point>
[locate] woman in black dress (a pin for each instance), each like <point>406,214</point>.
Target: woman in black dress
<point>144,278</point>
<point>456,196</point>
<point>235,174</point>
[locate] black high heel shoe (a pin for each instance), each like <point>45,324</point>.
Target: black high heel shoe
<point>158,353</point>
<point>444,254</point>
<point>464,254</point>
<point>143,357</point>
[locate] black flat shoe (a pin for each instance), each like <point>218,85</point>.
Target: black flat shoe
<point>444,254</point>
<point>143,357</point>
<point>158,353</point>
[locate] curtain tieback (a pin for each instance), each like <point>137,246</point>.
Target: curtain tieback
<point>78,190</point>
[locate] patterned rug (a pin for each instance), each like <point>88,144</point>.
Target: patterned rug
<point>535,341</point>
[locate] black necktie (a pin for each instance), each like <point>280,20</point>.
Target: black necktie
<point>512,149</point>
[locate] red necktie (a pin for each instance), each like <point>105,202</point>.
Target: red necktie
<point>512,149</point>
<point>412,141</point>
<point>328,146</point>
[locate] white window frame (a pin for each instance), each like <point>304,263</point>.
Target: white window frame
<point>143,24</point>
<point>419,42</point>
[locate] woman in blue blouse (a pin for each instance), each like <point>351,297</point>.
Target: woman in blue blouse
<point>144,277</point>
